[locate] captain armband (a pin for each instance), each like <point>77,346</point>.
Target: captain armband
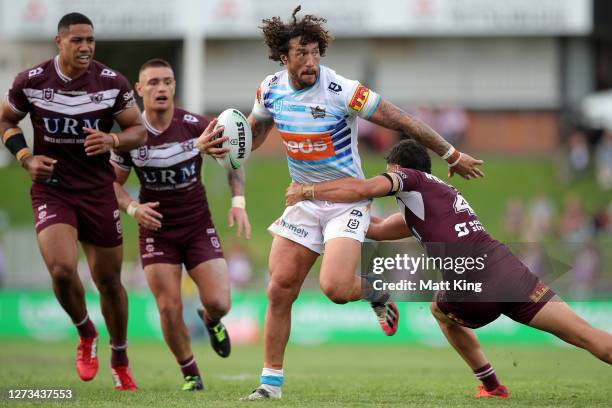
<point>15,142</point>
<point>395,183</point>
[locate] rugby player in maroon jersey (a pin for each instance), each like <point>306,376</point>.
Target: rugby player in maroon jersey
<point>73,102</point>
<point>176,228</point>
<point>437,215</point>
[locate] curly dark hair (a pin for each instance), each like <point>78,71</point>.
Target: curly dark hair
<point>278,34</point>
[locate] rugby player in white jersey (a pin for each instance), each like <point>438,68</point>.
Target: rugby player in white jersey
<point>315,111</point>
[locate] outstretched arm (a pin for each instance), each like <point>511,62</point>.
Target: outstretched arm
<point>392,117</point>
<point>344,190</point>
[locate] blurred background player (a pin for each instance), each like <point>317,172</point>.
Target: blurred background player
<point>435,212</point>
<point>175,222</point>
<point>315,112</point>
<point>73,102</point>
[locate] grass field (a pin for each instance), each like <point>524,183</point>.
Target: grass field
<point>325,376</point>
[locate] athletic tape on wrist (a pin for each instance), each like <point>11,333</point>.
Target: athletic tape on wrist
<point>131,208</point>
<point>448,153</point>
<point>115,139</point>
<point>238,202</point>
<point>456,161</point>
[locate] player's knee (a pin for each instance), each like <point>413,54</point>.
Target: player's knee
<point>62,273</point>
<point>335,293</point>
<point>218,307</point>
<point>280,293</point>
<point>108,285</point>
<point>170,310</point>
<point>590,338</point>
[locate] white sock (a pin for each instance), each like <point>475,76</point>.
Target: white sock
<point>272,381</point>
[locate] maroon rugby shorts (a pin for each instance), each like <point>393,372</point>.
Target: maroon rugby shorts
<point>190,245</point>
<point>93,213</point>
<point>521,296</point>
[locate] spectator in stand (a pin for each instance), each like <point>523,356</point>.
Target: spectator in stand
<point>539,218</point>
<point>513,219</point>
<point>574,227</point>
<point>587,267</point>
<point>239,264</point>
<point>603,161</point>
<point>602,220</point>
<point>452,123</point>
<point>579,155</point>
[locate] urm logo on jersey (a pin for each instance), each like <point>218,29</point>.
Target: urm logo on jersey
<point>171,177</point>
<point>70,126</point>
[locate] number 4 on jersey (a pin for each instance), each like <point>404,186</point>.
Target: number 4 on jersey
<point>462,205</point>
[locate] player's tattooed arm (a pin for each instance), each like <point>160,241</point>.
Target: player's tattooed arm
<point>237,213</point>
<point>260,130</point>
<point>235,179</point>
<point>392,117</point>
<point>132,135</point>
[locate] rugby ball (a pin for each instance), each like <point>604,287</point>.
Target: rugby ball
<point>238,132</point>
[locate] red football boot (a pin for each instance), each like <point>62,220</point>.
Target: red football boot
<point>387,315</point>
<point>122,377</point>
<point>500,392</point>
<point>87,358</point>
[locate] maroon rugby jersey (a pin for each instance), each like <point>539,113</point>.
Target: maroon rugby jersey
<point>169,168</point>
<point>436,212</point>
<point>60,107</point>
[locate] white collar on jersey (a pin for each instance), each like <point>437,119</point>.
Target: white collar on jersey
<point>147,125</point>
<point>60,74</point>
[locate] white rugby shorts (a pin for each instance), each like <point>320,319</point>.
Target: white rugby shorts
<point>313,223</point>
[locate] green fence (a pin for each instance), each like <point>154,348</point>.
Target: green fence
<point>316,320</point>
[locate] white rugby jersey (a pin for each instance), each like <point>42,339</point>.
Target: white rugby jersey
<point>318,124</point>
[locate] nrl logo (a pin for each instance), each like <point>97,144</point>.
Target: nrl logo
<point>48,94</point>
<point>317,113</point>
<point>143,153</point>
<point>96,98</point>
